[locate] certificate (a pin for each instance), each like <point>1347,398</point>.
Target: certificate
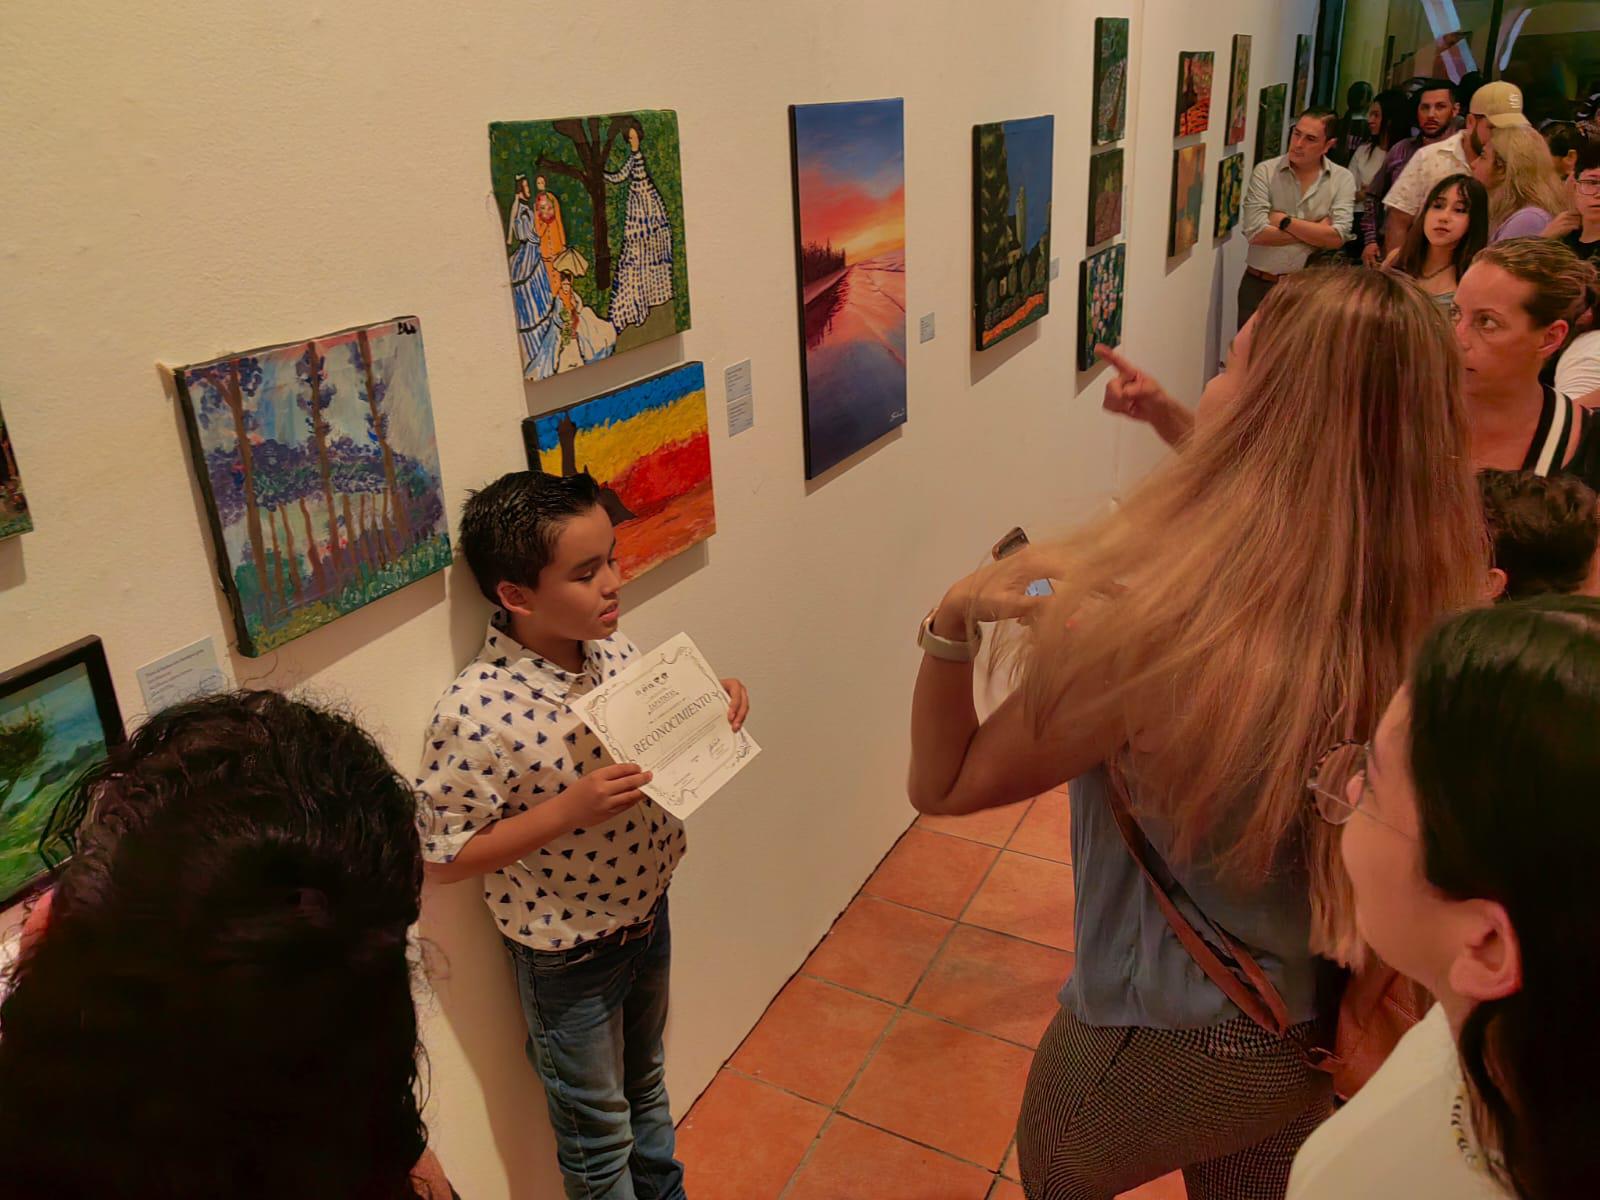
<point>668,713</point>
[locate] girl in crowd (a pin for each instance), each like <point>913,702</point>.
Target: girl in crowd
<point>1470,836</point>
<point>219,1003</point>
<point>1251,603</point>
<point>1524,192</point>
<point>1452,227</point>
<point>1514,310</point>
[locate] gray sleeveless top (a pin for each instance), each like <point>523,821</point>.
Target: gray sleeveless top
<point>1130,968</point>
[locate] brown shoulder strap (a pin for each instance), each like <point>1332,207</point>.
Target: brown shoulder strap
<point>1253,993</point>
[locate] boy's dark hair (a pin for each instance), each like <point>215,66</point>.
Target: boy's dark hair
<point>225,956</point>
<point>1588,155</point>
<point>509,529</point>
<point>1562,137</point>
<point>1545,530</point>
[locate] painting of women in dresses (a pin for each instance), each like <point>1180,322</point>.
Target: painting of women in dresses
<point>599,199</point>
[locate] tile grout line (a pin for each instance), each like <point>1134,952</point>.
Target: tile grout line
<point>889,1026</point>
<point>907,1006</point>
<point>836,1110</point>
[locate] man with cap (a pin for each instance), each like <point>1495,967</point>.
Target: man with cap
<point>1494,105</point>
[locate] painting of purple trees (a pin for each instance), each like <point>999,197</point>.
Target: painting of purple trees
<point>321,473</point>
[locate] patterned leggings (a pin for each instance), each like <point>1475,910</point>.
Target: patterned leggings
<point>1108,1109</point>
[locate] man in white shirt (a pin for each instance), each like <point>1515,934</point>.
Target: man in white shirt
<point>1296,204</point>
<point>1494,106</point>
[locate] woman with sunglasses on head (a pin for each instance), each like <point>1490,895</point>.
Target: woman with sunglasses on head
<point>1470,837</point>
<point>1259,593</point>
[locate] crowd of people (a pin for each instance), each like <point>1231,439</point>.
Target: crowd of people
<point>1324,688</point>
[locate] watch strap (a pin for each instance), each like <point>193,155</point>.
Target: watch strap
<point>946,649</point>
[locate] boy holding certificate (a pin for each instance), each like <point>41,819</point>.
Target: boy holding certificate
<point>575,858</point>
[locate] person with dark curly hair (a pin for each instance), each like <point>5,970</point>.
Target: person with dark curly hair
<point>219,1000</point>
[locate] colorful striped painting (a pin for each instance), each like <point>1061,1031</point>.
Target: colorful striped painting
<point>648,446</point>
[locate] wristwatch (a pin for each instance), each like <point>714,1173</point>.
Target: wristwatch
<point>943,648</point>
<point>1283,225</point>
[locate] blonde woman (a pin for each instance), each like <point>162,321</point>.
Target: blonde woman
<point>1525,193</point>
<point>1253,602</point>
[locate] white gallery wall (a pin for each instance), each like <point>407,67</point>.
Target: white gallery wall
<point>189,179</point>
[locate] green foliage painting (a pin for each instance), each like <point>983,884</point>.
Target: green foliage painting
<point>593,213</point>
<point>1230,193</point>
<point>1110,79</point>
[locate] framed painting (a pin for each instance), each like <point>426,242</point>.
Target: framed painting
<point>1195,69</point>
<point>850,266</point>
<point>1012,169</point>
<point>1302,76</point>
<point>321,476</point>
<point>648,446</point>
<point>58,719</point>
<point>1110,79</point>
<point>14,515</point>
<point>1230,193</point>
<point>593,213</point>
<point>1188,188</point>
<point>1269,122</point>
<point>1238,89</point>
<point>1101,279</point>
<point>1105,196</point>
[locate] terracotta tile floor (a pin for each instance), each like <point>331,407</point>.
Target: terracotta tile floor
<point>892,1066</point>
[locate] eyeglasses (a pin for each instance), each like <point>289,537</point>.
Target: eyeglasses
<point>1329,785</point>
<point>1589,187</point>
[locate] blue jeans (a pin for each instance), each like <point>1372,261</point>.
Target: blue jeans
<point>595,1016</point>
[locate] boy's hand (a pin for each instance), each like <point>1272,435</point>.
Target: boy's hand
<point>740,708</point>
<point>602,794</point>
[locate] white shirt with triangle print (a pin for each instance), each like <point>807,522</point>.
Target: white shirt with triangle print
<point>503,739</point>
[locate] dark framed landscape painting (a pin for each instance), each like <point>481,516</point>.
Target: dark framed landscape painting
<point>58,719</point>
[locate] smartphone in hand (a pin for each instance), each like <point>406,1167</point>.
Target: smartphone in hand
<point>1010,544</point>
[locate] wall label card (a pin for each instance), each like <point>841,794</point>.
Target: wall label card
<point>669,714</point>
<point>739,389</point>
<point>925,328</point>
<point>182,675</point>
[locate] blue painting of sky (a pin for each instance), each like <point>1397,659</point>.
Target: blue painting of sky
<point>860,140</point>
<point>624,404</point>
<point>1029,165</point>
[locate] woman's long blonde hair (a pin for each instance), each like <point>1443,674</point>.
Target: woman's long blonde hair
<point>1258,597</point>
<point>1523,175</point>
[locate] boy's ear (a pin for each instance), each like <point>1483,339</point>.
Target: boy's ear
<point>514,597</point>
<point>1496,587</point>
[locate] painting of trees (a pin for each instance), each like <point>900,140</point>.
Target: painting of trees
<point>1011,215</point>
<point>320,468</point>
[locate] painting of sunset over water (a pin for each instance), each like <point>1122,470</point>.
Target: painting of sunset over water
<point>849,183</point>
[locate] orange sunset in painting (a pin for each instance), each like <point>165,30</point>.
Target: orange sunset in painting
<point>849,162</point>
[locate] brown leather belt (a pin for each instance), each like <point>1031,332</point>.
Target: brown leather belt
<point>1255,273</point>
